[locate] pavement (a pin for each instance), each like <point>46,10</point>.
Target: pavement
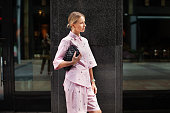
<point>146,75</point>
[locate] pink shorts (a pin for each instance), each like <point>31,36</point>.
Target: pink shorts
<point>79,99</point>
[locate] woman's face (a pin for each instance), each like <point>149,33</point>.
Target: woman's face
<point>80,25</point>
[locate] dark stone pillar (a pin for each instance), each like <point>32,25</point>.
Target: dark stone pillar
<point>104,32</point>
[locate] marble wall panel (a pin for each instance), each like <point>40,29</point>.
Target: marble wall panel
<point>104,33</point>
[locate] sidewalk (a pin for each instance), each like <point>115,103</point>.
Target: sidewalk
<point>28,77</point>
<point>146,76</point>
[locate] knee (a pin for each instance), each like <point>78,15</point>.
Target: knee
<point>98,111</point>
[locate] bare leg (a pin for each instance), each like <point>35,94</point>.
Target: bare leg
<point>99,111</point>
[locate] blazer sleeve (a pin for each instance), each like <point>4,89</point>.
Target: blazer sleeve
<point>62,48</point>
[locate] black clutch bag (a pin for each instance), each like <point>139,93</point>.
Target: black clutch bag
<point>69,55</point>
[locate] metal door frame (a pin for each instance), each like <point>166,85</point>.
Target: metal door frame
<point>6,37</point>
<point>7,103</point>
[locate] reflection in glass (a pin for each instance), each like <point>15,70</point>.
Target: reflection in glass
<point>32,61</point>
<point>45,51</point>
<point>1,77</point>
<point>146,49</point>
<point>34,74</point>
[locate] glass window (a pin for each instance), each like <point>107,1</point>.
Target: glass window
<point>146,52</point>
<point>32,46</point>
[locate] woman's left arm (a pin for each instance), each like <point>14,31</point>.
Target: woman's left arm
<point>94,88</point>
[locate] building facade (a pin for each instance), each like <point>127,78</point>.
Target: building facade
<point>129,39</point>
<point>30,34</point>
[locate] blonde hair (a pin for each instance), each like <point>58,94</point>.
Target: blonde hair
<point>73,17</point>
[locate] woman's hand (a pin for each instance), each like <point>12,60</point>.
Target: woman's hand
<point>94,88</point>
<point>76,59</point>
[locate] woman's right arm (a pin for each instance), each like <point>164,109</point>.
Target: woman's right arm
<point>58,62</point>
<point>68,63</point>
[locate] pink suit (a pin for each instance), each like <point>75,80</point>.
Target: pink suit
<point>77,86</point>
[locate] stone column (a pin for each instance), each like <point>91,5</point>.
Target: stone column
<point>104,33</point>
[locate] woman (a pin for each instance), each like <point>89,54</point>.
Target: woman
<point>79,84</point>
